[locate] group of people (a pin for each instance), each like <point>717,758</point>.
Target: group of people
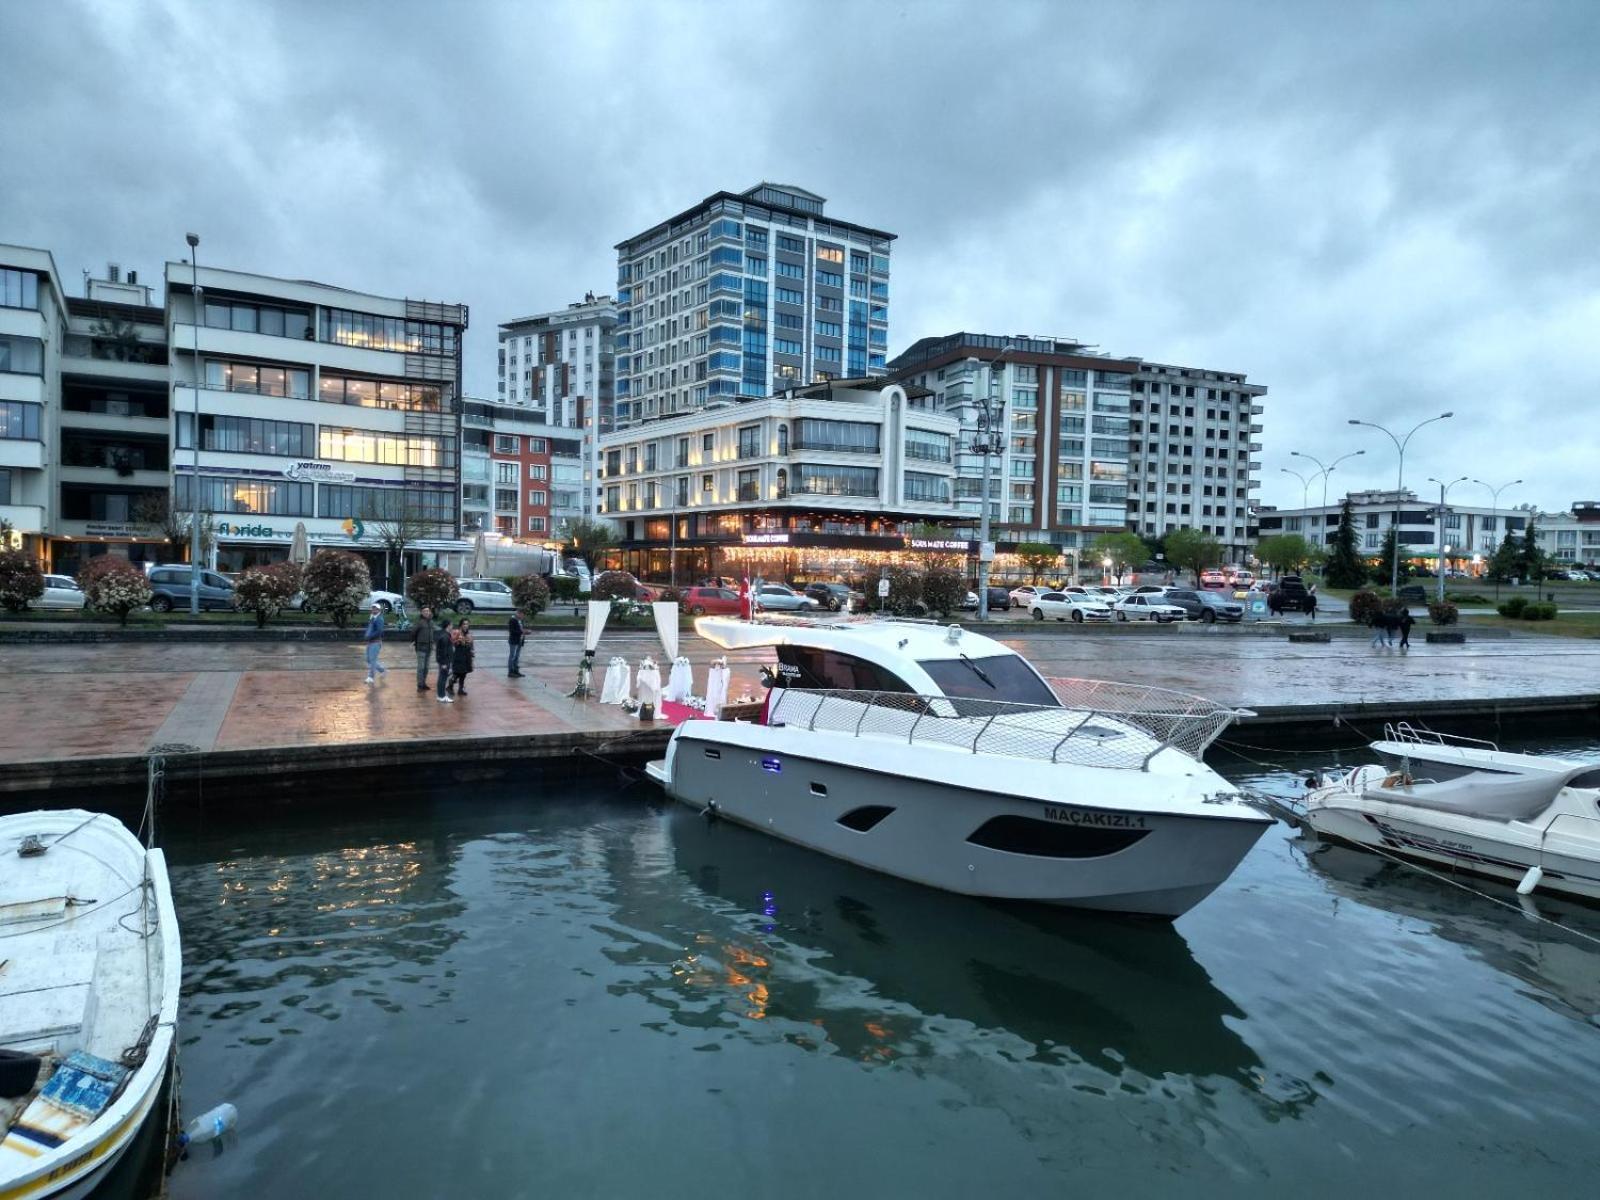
<point>451,647</point>
<point>1386,624</point>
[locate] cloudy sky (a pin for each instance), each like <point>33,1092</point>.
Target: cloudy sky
<point>1383,211</point>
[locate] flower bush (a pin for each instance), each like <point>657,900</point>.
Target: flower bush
<point>905,592</point>
<point>1365,605</point>
<point>21,581</point>
<point>531,592</point>
<point>1443,612</point>
<point>943,590</point>
<point>337,583</point>
<point>433,588</point>
<point>113,585</point>
<point>613,585</point>
<point>266,591</point>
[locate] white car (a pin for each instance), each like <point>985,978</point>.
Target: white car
<point>1064,606</point>
<point>1578,576</point>
<point>1145,607</point>
<point>487,594</point>
<point>60,591</point>
<point>387,601</point>
<point>1023,596</point>
<point>774,597</point>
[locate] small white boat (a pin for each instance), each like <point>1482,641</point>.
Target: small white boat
<point>1422,752</point>
<point>943,757</point>
<point>89,975</point>
<point>1536,828</point>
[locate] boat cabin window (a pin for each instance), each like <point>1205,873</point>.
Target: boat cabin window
<point>996,677</point>
<point>810,667</point>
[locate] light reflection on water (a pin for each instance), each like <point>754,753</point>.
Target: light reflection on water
<point>581,992</point>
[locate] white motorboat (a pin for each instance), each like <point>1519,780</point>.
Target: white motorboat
<point>89,975</point>
<point>1422,752</point>
<point>1536,828</point>
<point>943,757</point>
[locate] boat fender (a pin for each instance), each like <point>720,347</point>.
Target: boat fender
<point>1530,881</point>
<point>710,812</point>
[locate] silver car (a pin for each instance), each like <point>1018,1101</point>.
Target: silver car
<point>774,597</point>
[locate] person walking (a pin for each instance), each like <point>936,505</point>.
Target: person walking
<point>422,643</point>
<point>461,657</point>
<point>444,645</point>
<point>374,638</point>
<point>1380,627</point>
<point>514,639</point>
<point>1405,621</point>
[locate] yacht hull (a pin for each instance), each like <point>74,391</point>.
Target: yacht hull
<point>934,827</point>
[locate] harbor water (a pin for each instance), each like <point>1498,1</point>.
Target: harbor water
<point>580,990</point>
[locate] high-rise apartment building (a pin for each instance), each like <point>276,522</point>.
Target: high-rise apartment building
<point>746,295</point>
<point>561,365</point>
<point>33,316</point>
<point>520,477</point>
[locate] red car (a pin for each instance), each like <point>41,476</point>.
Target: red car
<point>718,602</point>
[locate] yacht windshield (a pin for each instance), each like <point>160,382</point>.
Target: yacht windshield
<point>998,677</point>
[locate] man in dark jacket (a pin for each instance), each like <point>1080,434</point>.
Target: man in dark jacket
<point>1403,623</point>
<point>443,649</point>
<point>422,642</point>
<point>514,639</point>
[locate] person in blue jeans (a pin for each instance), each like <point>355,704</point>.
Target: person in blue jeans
<point>515,636</point>
<point>374,636</point>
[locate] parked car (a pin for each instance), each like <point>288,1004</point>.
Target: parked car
<point>712,601</point>
<point>835,597</point>
<point>775,597</point>
<point>1209,607</point>
<point>1149,589</point>
<point>60,591</point>
<point>387,601</point>
<point>487,594</point>
<point>970,604</point>
<point>1240,577</point>
<point>1579,576</point>
<point>170,586</point>
<point>999,600</point>
<point>1213,578</point>
<point>1023,596</point>
<point>1290,594</point>
<point>1141,607</point>
<point>1112,594</point>
<point>1066,607</point>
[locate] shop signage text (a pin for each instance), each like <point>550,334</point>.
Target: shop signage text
<point>123,529</point>
<point>765,539</point>
<point>315,472</point>
<point>233,529</point>
<point>919,543</point>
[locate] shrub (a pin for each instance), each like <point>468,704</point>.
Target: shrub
<point>943,590</point>
<point>1513,607</point>
<point>1468,598</point>
<point>266,590</point>
<point>905,592</point>
<point>613,585</point>
<point>113,585</point>
<point>1539,612</point>
<point>1365,605</point>
<point>531,592</point>
<point>432,588</point>
<point>20,580</point>
<point>564,587</point>
<point>1443,612</point>
<point>337,583</point>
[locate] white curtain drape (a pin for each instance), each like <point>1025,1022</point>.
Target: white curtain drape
<point>716,688</point>
<point>618,682</point>
<point>595,622</point>
<point>666,615</point>
<point>680,684</point>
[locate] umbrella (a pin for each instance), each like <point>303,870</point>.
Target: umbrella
<point>480,557</point>
<point>300,548</point>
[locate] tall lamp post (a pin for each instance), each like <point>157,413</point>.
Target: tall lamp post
<point>1494,505</point>
<point>994,409</point>
<point>1444,489</point>
<point>194,516</point>
<point>1399,486</point>
<point>1305,487</point>
<point>1324,471</point>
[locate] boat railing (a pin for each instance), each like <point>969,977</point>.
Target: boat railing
<point>1124,728</point>
<point>1405,732</point>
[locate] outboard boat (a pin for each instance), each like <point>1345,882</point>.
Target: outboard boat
<point>1420,751</point>
<point>941,756</point>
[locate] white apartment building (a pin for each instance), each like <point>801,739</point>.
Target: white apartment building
<point>746,295</point>
<point>1469,532</point>
<point>561,365</point>
<point>821,480</point>
<point>33,322</point>
<point>1571,537</point>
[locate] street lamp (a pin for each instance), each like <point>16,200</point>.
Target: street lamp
<point>194,516</point>
<point>1495,508</point>
<point>1305,487</point>
<point>994,410</point>
<point>1105,570</point>
<point>1400,483</point>
<point>1325,471</point>
<point>1444,488</point>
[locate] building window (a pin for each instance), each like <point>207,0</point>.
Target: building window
<point>5,485</point>
<point>927,445</point>
<point>536,524</point>
<point>505,499</point>
<point>247,435</point>
<point>505,473</point>
<point>18,289</point>
<point>19,421</point>
<point>434,505</point>
<point>258,318</point>
<point>844,437</point>
<point>507,444</point>
<point>816,480</point>
<point>538,446</point>
<point>927,488</point>
<point>218,494</point>
<point>536,471</point>
<point>537,499</point>
<point>343,389</point>
<point>371,332</point>
<point>21,355</point>
<point>750,441</point>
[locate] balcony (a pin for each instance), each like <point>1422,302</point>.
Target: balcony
<point>24,518</point>
<point>1257,428</point>
<point>1255,411</point>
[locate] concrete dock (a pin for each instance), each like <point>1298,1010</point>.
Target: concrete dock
<point>76,718</point>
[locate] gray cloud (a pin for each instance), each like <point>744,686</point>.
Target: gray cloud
<point>1379,210</point>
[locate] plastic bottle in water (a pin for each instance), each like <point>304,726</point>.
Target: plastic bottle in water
<point>210,1125</point>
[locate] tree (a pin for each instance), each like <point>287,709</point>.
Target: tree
<point>266,590</point>
<point>1192,550</point>
<point>1285,553</point>
<point>1530,559</point>
<point>337,583</point>
<point>156,508</point>
<point>531,592</point>
<point>1345,568</point>
<point>433,588</point>
<point>1385,566</point>
<point>1506,563</point>
<point>117,339</point>
<point>1038,557</point>
<point>21,581</point>
<point>588,539</point>
<point>1125,550</point>
<point>905,591</point>
<point>396,532</point>
<point>943,590</point>
<point>114,585</point>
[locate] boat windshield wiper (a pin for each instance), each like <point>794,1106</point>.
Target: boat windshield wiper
<point>978,671</point>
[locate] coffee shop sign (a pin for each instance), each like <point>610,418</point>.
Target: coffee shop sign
<point>315,472</point>
<point>957,544</point>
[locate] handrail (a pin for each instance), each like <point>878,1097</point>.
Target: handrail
<point>1404,731</point>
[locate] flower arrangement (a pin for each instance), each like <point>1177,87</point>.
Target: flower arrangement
<point>21,580</point>
<point>114,585</point>
<point>266,590</point>
<point>337,583</point>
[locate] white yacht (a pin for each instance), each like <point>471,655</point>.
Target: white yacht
<point>943,757</point>
<point>1468,806</point>
<point>89,974</point>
